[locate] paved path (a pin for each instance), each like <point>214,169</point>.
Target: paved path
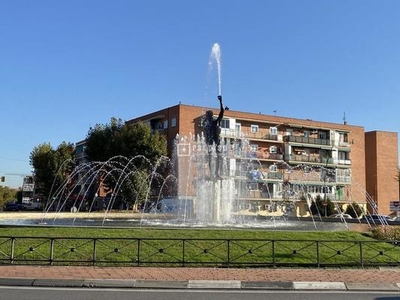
<point>355,279</point>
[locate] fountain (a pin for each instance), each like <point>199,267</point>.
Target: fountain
<point>210,185</point>
<point>189,196</point>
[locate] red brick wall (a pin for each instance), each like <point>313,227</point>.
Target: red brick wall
<point>377,150</point>
<point>382,168</point>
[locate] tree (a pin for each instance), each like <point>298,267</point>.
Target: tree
<point>354,210</point>
<point>106,141</point>
<point>7,194</point>
<point>51,166</point>
<point>322,207</point>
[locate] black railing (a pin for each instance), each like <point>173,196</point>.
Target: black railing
<point>310,159</point>
<point>306,140</point>
<point>197,252</point>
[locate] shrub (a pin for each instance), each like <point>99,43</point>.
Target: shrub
<point>354,210</point>
<point>391,233</point>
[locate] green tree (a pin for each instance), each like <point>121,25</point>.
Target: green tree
<point>7,194</point>
<point>354,210</point>
<point>51,166</point>
<point>109,140</point>
<point>101,140</point>
<point>105,141</point>
<point>322,207</point>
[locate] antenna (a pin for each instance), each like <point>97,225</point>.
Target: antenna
<point>344,118</point>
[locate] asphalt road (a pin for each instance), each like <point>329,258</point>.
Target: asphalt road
<point>29,293</point>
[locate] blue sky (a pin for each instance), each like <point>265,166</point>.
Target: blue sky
<point>68,65</point>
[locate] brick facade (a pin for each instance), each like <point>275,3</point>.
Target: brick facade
<point>367,161</point>
<point>382,168</point>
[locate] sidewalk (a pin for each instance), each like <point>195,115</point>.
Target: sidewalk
<point>142,277</point>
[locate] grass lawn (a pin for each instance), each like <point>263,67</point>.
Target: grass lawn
<point>192,247</point>
<point>91,232</point>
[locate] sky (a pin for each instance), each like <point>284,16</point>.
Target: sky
<point>68,65</point>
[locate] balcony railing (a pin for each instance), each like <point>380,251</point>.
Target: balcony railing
<point>225,132</point>
<point>343,179</point>
<point>342,161</point>
<point>273,175</point>
<point>306,140</point>
<point>261,136</point>
<point>310,159</point>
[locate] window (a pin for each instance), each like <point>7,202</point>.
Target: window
<point>254,147</point>
<point>272,149</point>
<point>253,150</point>
<point>165,124</point>
<point>306,134</point>
<point>273,168</point>
<point>173,122</point>
<point>343,155</point>
<point>237,149</point>
<point>254,128</point>
<point>238,129</point>
<point>273,131</point>
<point>343,172</point>
<point>288,170</point>
<point>343,137</point>
<point>225,123</point>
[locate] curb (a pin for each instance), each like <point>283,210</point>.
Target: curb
<point>199,284</point>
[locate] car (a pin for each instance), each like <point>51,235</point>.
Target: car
<point>376,218</point>
<point>32,206</point>
<point>12,206</point>
<point>342,216</point>
<point>396,219</point>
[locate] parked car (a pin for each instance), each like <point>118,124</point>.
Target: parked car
<point>342,216</point>
<point>396,219</point>
<point>376,218</point>
<point>32,206</point>
<point>13,206</point>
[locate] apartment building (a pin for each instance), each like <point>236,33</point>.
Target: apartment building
<point>382,170</point>
<point>296,160</point>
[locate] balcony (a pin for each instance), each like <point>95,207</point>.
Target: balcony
<point>273,175</point>
<point>309,159</point>
<point>261,136</point>
<point>28,187</point>
<point>238,154</point>
<point>306,140</point>
<point>231,133</point>
<point>343,179</point>
<point>343,144</point>
<point>266,155</point>
<point>342,161</point>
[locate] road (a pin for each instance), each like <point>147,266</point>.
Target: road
<point>30,293</point>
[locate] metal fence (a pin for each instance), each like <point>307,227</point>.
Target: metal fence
<point>197,252</point>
